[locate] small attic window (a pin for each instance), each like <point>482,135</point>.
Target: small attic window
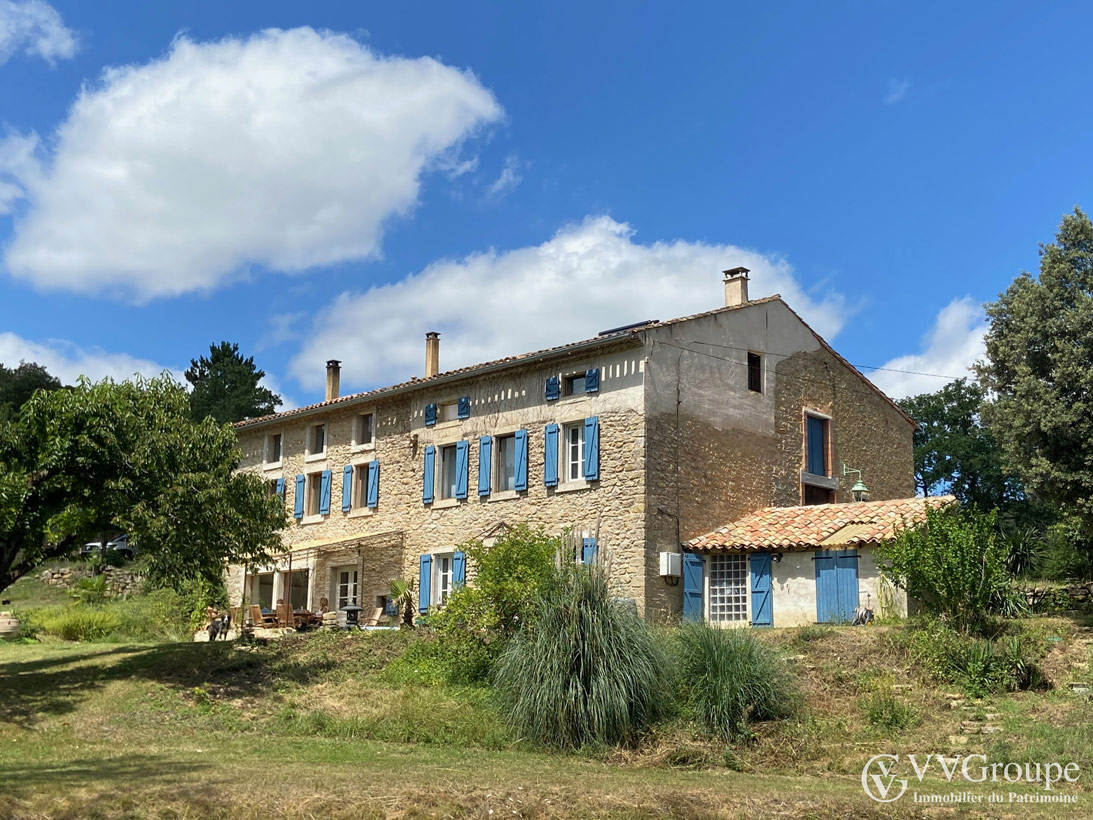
<point>755,372</point>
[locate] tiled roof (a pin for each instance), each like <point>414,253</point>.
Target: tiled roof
<point>617,337</point>
<point>819,525</point>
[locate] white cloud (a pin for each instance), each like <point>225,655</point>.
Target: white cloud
<point>897,90</point>
<point>949,349</point>
<point>271,383</point>
<point>68,361</point>
<point>288,149</point>
<point>588,277</point>
<point>508,180</point>
<point>35,28</point>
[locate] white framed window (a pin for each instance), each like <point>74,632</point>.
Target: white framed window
<point>346,586</point>
<point>573,452</point>
<point>573,385</point>
<point>447,411</point>
<point>360,486</point>
<point>727,593</point>
<point>504,479</point>
<point>272,455</point>
<point>364,430</point>
<point>316,440</point>
<point>442,577</point>
<point>314,493</point>
<point>448,472</point>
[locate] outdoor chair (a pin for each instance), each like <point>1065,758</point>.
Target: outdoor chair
<point>286,619</point>
<point>261,619</point>
<point>374,620</point>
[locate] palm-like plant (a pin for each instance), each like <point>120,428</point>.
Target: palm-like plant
<point>402,594</point>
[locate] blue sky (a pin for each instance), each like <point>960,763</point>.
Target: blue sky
<point>331,180</point>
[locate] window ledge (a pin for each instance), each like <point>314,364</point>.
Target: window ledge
<point>445,503</point>
<point>315,456</point>
<point>444,425</point>
<point>573,486</point>
<point>504,495</point>
<point>826,482</point>
<point>578,399</point>
<point>272,465</point>
<point>364,448</point>
<point>361,512</point>
<point>311,519</point>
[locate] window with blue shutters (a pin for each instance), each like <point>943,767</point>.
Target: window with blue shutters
<point>550,455</point>
<point>592,380</point>
<point>459,569</point>
<point>816,445</point>
<point>429,478</point>
<point>347,488</point>
<point>521,474</point>
<point>553,388</point>
<point>588,550</point>
<point>424,583</point>
<point>485,448</point>
<point>464,408</point>
<point>462,468</point>
<point>592,449</point>
<point>280,489</point>
<point>430,415</point>
<point>324,493</point>
<point>692,587</point>
<point>372,498</point>
<point>301,482</point>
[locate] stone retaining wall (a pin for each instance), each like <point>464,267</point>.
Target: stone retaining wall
<point>120,583</point>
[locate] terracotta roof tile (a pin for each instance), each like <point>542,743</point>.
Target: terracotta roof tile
<point>809,527</point>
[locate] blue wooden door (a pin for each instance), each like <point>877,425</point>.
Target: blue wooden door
<point>761,605</point>
<point>836,586</point>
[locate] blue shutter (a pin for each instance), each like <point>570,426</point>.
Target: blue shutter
<point>459,569</point>
<point>424,583</point>
<point>281,489</point>
<point>347,488</point>
<point>462,467</point>
<point>816,450</point>
<point>592,380</point>
<point>324,493</point>
<point>592,448</point>
<point>550,455</point>
<point>692,587</point>
<point>485,445</point>
<point>827,588</point>
<point>429,481</point>
<point>390,608</point>
<point>846,580</point>
<point>301,482</point>
<point>521,482</point>
<point>553,388</point>
<point>430,415</point>
<point>464,407</point>
<point>588,550</point>
<point>761,604</point>
<point>373,495</point>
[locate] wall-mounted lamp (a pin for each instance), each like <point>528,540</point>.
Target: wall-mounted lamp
<point>859,491</point>
<point>776,557</point>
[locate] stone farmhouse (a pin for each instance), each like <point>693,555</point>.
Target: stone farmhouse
<point>638,439</point>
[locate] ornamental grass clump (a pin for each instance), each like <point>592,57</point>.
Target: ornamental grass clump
<point>729,679</point>
<point>585,670</point>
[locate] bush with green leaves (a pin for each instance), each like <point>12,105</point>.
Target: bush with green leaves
<point>89,590</point>
<point>584,670</point>
<point>953,563</point>
<point>728,679</point>
<point>888,714</point>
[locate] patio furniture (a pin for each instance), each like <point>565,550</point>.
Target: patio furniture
<point>261,619</point>
<point>286,619</point>
<point>374,619</point>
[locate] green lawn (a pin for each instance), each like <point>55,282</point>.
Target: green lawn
<point>308,728</point>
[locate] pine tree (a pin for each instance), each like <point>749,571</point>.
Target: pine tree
<point>226,386</point>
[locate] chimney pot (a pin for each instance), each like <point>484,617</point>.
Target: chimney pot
<point>333,379</point>
<point>736,286</point>
<point>432,354</point>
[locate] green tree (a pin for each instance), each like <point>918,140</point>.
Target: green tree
<point>226,386</point>
<point>127,456</point>
<point>954,563</point>
<point>18,384</point>
<point>1039,371</point>
<point>954,452</point>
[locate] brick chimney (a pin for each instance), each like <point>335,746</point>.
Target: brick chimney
<point>333,379</point>
<point>432,354</point>
<point>736,286</point>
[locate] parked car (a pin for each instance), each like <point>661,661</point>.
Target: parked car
<point>120,545</point>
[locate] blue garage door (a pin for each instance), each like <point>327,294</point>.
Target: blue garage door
<point>761,605</point>
<point>836,586</point>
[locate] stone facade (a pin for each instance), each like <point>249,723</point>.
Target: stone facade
<point>685,447</point>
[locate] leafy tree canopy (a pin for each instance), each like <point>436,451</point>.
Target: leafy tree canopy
<point>954,452</point>
<point>127,456</point>
<point>18,384</point>
<point>226,386</point>
<point>1039,371</point>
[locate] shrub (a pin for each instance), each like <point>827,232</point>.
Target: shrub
<point>954,563</point>
<point>585,670</point>
<point>729,679</point>
<point>886,713</point>
<point>91,590</point>
<point>81,623</point>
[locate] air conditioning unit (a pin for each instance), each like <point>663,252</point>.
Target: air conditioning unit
<point>671,564</point>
